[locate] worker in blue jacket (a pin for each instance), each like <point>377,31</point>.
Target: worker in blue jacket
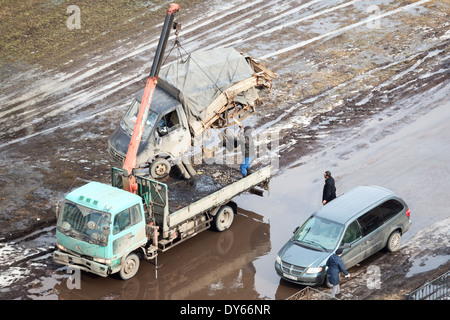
<point>248,151</point>
<point>335,266</point>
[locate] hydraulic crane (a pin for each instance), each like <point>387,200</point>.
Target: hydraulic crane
<point>130,163</point>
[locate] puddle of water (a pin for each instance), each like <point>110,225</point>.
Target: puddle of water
<point>427,263</point>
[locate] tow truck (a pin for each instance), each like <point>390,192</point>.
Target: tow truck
<point>108,228</point>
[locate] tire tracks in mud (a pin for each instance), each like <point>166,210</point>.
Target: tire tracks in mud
<point>72,91</point>
<point>344,29</point>
<point>96,86</point>
<point>23,259</point>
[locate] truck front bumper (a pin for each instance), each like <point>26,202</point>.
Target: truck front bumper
<point>81,263</point>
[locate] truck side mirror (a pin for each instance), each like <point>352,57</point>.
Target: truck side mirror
<point>58,209</point>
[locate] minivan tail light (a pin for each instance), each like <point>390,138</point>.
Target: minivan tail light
<point>408,213</point>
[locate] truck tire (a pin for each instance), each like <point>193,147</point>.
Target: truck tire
<point>394,241</point>
<point>159,168</point>
<point>129,267</point>
<point>223,218</point>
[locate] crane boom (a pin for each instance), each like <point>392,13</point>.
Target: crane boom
<point>129,182</point>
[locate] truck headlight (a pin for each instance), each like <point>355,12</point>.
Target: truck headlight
<point>102,260</point>
<point>60,247</point>
<point>278,259</point>
<point>314,270</point>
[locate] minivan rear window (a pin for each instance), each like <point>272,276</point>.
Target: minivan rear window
<point>390,208</point>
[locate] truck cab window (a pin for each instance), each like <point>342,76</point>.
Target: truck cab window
<point>129,120</point>
<point>136,214</point>
<point>168,123</point>
<point>72,217</point>
<point>122,221</point>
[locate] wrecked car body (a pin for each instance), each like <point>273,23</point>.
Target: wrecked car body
<point>210,89</point>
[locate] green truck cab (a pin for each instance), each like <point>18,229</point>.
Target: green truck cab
<point>98,225</point>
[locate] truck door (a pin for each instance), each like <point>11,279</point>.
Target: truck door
<point>128,231</point>
<point>173,135</point>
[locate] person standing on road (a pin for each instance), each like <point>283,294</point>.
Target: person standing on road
<point>335,266</point>
<point>247,151</point>
<point>329,189</point>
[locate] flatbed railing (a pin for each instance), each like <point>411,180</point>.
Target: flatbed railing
<point>153,193</point>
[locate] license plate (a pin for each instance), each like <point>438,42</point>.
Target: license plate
<point>289,276</point>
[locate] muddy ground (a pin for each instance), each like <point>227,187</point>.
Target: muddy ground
<point>64,91</point>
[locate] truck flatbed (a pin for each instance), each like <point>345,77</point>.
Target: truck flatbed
<point>209,179</point>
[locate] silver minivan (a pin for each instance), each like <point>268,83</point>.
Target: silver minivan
<point>362,221</point>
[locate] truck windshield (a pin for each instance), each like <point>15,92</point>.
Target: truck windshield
<point>129,119</point>
<point>84,224</point>
<point>318,233</point>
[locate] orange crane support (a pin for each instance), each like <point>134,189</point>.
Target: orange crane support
<point>130,163</point>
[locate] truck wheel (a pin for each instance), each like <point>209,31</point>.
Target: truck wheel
<point>159,168</point>
<point>223,218</point>
<point>394,241</point>
<point>129,267</point>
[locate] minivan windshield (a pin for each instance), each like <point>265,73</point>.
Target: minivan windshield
<point>83,223</point>
<point>129,120</point>
<point>319,234</point>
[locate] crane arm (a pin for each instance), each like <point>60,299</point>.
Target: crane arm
<point>130,163</point>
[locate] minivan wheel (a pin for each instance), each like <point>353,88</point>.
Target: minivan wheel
<point>394,241</point>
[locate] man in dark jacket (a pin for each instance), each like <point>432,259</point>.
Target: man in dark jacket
<point>335,266</point>
<point>329,189</point>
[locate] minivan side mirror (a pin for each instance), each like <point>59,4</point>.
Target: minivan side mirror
<point>345,246</point>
